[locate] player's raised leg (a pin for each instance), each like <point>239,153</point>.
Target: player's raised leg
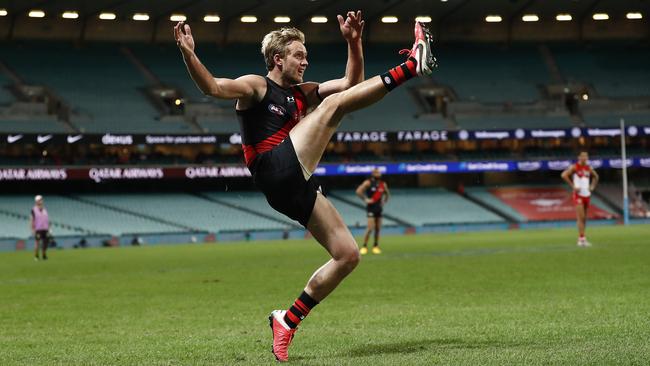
<point>311,136</point>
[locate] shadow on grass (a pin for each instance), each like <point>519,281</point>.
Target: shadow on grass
<point>424,345</point>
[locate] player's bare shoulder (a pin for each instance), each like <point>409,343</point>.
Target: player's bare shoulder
<point>257,84</point>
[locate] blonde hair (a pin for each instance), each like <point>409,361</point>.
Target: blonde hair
<point>276,42</point>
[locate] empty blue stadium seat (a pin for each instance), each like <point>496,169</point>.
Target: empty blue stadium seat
<point>187,210</point>
<point>511,122</point>
<point>96,80</point>
<point>615,70</point>
<point>492,74</point>
<point>31,124</point>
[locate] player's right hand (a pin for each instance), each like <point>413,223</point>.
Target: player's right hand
<point>183,37</point>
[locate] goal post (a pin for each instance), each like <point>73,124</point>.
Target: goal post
<point>626,204</point>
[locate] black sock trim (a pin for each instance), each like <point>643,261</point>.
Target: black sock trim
<point>388,81</point>
<point>307,300</point>
<point>291,324</point>
<point>296,312</point>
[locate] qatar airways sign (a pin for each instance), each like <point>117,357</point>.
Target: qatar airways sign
<point>34,174</point>
<point>217,172</point>
<point>102,174</point>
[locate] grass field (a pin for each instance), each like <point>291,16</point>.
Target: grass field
<point>490,298</point>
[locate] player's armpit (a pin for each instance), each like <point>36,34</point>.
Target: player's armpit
<point>312,92</point>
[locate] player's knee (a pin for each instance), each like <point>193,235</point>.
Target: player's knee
<point>332,106</point>
<point>352,257</point>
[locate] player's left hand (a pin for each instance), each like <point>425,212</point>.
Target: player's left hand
<point>351,26</point>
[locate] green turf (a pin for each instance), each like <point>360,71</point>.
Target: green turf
<point>497,298</point>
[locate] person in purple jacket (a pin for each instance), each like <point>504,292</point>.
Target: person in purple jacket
<point>40,225</point>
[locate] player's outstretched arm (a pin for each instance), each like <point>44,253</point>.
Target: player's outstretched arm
<point>351,29</point>
<point>244,87</point>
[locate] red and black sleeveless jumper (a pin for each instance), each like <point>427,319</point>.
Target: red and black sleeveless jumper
<point>269,152</point>
<point>375,192</point>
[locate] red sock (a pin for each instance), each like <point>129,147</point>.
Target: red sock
<point>299,310</point>
<point>399,74</point>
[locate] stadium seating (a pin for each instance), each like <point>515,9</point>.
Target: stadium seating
<point>249,200</point>
<point>613,195</point>
<point>6,97</point>
<point>15,212</point>
<point>511,122</point>
<point>484,196</point>
<point>353,215</point>
<point>541,203</point>
<point>492,74</point>
<point>94,78</point>
<point>97,81</point>
<point>88,218</point>
<point>219,124</point>
<point>433,207</point>
<point>166,62</point>
<point>14,226</point>
<point>607,67</point>
<point>31,125</point>
<point>183,209</point>
<point>613,119</point>
<point>233,61</point>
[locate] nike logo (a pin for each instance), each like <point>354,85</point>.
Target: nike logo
<point>11,139</point>
<point>42,139</point>
<point>73,139</point>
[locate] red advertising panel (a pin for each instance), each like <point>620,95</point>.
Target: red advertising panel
<point>545,203</point>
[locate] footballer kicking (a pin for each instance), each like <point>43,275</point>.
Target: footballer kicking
<point>286,124</point>
<point>583,181</point>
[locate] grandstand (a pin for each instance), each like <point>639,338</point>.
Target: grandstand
<point>188,211</point>
<point>515,75</point>
<point>493,74</point>
<point>474,122</point>
<point>92,80</point>
<point>602,66</point>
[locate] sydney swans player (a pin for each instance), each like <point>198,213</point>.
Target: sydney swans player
<point>287,123</point>
<point>582,179</point>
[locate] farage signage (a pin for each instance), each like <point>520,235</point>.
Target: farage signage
<point>112,139</point>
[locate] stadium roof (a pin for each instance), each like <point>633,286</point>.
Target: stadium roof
<point>299,11</point>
